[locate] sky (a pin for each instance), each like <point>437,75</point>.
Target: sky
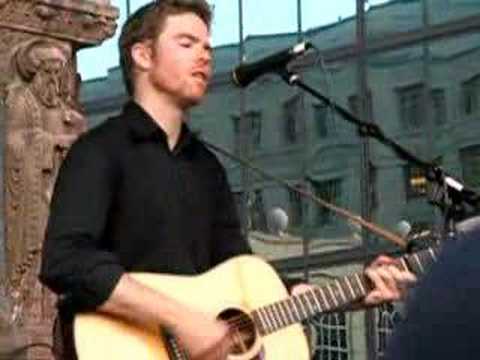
<point>260,17</point>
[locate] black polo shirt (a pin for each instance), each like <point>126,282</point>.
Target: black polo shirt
<point>124,202</point>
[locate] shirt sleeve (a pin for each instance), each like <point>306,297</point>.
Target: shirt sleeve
<point>75,262</point>
<point>228,238</point>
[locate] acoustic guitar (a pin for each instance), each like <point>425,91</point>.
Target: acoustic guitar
<point>244,291</point>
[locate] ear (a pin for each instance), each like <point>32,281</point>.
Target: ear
<point>142,55</point>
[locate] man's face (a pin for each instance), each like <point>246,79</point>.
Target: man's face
<point>181,64</point>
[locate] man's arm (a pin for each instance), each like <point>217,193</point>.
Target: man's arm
<point>135,302</point>
<point>74,262</point>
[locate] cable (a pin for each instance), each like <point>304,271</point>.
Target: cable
<point>354,218</point>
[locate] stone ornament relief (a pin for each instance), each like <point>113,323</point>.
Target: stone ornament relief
<point>40,119</point>
<point>82,22</point>
<point>9,41</point>
<point>43,118</point>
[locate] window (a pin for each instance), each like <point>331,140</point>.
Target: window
<point>331,340</point>
<point>373,186</point>
<point>411,102</point>
<point>439,105</point>
<point>291,110</point>
<point>257,212</point>
<point>324,122</point>
<point>387,318</point>
<point>254,121</point>
<point>236,133</point>
<point>470,159</point>
<point>331,191</point>
<point>354,106</point>
<point>471,95</point>
<point>296,209</point>
<point>238,197</point>
<point>415,182</point>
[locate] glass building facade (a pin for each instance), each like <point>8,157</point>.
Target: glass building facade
<point>410,66</point>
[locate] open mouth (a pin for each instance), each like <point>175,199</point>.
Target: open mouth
<point>201,76</point>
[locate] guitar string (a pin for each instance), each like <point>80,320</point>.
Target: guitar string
<point>241,322</point>
<point>244,321</point>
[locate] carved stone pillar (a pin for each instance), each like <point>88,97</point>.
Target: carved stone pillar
<point>39,117</point>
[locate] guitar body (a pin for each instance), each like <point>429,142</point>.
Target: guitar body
<point>241,284</point>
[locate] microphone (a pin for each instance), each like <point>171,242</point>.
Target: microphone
<point>244,74</point>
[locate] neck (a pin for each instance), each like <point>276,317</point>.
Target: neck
<point>168,115</point>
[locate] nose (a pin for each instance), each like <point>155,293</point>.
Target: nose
<point>206,56</point>
<point>204,51</point>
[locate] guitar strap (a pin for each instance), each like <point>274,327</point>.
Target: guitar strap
<point>63,343</point>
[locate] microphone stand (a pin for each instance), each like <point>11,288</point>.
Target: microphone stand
<point>449,194</point>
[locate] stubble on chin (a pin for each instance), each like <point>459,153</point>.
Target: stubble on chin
<point>187,103</point>
<point>186,95</point>
<point>195,98</point>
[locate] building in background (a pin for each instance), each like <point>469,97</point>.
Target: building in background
<point>414,70</point>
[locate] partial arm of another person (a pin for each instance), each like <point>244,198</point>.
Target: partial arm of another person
<point>442,318</point>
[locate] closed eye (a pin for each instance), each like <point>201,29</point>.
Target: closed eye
<point>188,40</point>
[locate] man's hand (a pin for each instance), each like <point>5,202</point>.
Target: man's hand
<point>202,337</point>
<point>390,283</point>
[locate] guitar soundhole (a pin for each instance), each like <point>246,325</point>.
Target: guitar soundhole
<point>242,330</point>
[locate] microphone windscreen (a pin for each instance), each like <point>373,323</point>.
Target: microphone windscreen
<point>404,228</point>
<point>277,220</point>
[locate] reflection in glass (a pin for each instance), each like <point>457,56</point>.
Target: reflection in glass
<point>445,11</point>
<point>391,17</point>
<point>424,93</point>
<point>315,13</point>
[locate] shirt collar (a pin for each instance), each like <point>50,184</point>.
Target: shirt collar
<point>143,128</point>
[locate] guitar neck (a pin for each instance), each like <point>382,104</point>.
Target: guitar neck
<point>333,296</point>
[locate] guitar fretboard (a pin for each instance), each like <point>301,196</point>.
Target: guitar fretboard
<point>330,297</point>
